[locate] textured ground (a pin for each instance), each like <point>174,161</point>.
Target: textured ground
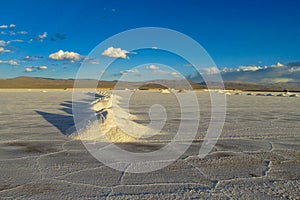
<point>257,156</point>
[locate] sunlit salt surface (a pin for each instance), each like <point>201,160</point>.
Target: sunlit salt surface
<point>258,150</point>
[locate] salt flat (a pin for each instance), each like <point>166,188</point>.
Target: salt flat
<point>257,155</point>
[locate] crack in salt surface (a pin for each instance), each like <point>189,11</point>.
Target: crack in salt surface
<point>270,144</point>
<point>76,183</point>
<point>123,173</point>
<point>267,169</point>
<point>197,168</point>
<point>63,145</point>
<point>125,185</point>
<point>76,172</point>
<point>110,193</point>
<point>20,158</point>
<point>215,186</point>
<point>44,155</point>
<point>13,188</point>
<point>20,140</point>
<point>36,157</point>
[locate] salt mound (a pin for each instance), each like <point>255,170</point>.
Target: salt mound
<point>115,123</point>
<point>165,91</point>
<point>282,95</point>
<point>287,94</point>
<point>294,95</point>
<point>182,91</point>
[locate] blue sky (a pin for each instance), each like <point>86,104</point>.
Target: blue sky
<point>234,33</point>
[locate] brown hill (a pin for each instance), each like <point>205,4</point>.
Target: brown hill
<point>47,83</point>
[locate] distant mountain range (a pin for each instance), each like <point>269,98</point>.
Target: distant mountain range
<point>274,77</point>
<point>47,83</point>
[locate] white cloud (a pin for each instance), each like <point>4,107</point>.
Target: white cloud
<point>28,69</point>
<point>42,67</point>
<point>188,65</point>
<point>210,70</point>
<point>39,37</point>
<point>2,50</point>
<point>276,73</point>
<point>19,41</point>
<point>277,80</point>
<point>226,69</point>
<point>10,62</point>
<point>159,71</point>
<point>154,47</point>
<point>294,69</point>
<point>115,53</point>
<point>152,67</point>
<point>249,68</point>
<point>175,74</point>
<point>3,33</point>
<point>90,62</point>
<point>278,64</point>
<point>44,35</point>
<point>22,32</point>
<point>32,58</point>
<point>11,33</point>
<point>3,26</point>
<point>65,55</point>
<point>156,70</point>
<point>12,26</point>
<point>245,68</point>
<point>252,68</point>
<point>32,69</point>
<point>2,43</point>
<point>129,71</point>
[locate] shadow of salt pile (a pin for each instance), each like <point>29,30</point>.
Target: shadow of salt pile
<point>95,108</point>
<point>63,122</point>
